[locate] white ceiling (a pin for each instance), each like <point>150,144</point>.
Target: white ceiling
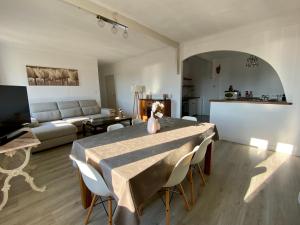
<point>55,25</point>
<point>183,20</point>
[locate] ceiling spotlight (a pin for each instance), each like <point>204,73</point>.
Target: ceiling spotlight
<point>114,29</point>
<point>125,33</point>
<point>101,22</point>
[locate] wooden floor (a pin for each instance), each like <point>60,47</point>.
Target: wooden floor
<point>247,186</point>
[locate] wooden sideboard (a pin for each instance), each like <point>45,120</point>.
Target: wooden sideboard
<point>145,106</point>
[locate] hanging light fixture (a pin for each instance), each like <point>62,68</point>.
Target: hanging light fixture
<point>101,22</point>
<point>252,61</point>
<point>115,25</point>
<point>114,29</point>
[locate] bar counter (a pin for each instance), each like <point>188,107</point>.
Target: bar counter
<point>251,101</point>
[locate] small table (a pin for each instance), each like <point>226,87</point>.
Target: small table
<point>100,124</point>
<point>25,142</point>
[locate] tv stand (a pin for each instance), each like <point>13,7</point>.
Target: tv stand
<point>12,136</point>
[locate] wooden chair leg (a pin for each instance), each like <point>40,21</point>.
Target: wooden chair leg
<point>110,211</point>
<point>201,174</point>
<point>191,186</point>
<point>167,206</point>
<point>187,205</point>
<point>90,209</point>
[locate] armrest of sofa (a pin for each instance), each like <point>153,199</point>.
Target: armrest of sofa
<point>108,112</point>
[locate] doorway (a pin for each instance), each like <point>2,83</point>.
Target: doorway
<point>110,91</point>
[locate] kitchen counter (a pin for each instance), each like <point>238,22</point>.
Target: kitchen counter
<point>251,101</point>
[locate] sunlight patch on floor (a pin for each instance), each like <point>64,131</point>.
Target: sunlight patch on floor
<point>259,143</point>
<point>267,169</point>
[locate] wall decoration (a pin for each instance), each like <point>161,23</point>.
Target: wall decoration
<point>48,76</point>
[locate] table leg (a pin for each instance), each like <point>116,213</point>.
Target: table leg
<point>86,195</point>
<point>207,165</point>
<point>18,172</point>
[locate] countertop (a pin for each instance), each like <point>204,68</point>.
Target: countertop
<point>251,101</point>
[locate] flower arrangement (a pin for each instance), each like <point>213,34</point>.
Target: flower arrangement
<point>157,109</point>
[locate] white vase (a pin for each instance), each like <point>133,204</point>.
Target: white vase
<point>157,125</point>
<point>152,125</point>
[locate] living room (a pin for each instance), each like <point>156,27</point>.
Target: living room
<point>117,54</point>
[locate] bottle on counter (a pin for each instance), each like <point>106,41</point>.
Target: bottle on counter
<point>283,98</point>
<point>246,94</point>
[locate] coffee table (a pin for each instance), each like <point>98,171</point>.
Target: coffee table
<point>99,125</point>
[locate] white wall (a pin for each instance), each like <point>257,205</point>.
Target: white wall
<point>13,72</point>
<point>156,70</point>
<point>278,42</point>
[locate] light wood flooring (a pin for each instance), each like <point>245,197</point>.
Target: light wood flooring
<point>247,186</point>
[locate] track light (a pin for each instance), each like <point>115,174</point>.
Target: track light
<point>115,25</point>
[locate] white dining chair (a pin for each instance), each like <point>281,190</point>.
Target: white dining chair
<point>115,127</point>
<point>96,184</point>
<point>179,172</point>
<point>199,154</point>
<point>191,118</point>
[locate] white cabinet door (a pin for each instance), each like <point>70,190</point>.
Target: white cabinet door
<point>192,107</point>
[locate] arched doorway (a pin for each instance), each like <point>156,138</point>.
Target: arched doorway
<point>208,75</point>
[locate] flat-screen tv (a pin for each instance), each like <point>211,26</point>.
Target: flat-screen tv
<point>14,109</point>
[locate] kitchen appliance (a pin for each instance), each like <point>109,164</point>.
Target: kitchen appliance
<point>230,95</point>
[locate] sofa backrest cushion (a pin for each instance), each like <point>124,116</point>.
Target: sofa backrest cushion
<point>89,107</point>
<point>44,112</point>
<point>69,109</point>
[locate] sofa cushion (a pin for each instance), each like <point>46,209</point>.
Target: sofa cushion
<point>91,110</point>
<point>77,121</point>
<point>43,107</point>
<point>69,109</point>
<point>44,112</point>
<point>87,103</point>
<point>54,129</point>
<point>67,113</point>
<point>67,104</point>
<point>46,116</point>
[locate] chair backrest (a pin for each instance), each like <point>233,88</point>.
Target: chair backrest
<point>200,150</point>
<point>191,118</point>
<point>180,170</point>
<point>92,179</point>
<point>115,127</point>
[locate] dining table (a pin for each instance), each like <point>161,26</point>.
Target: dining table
<point>135,164</point>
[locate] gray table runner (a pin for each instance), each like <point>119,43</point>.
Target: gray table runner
<point>135,164</point>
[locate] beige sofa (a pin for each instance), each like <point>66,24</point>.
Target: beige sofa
<point>57,123</point>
